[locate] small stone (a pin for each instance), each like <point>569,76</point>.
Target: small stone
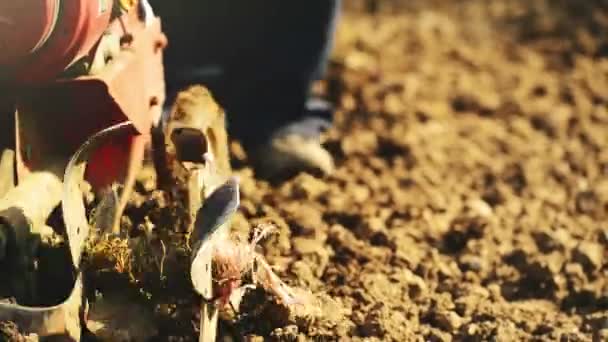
<point>309,187</point>
<point>468,262</point>
<point>313,253</point>
<point>375,224</point>
<point>543,329</point>
<point>304,246</point>
<point>360,193</point>
<point>480,207</point>
<point>436,335</point>
<point>446,320</point>
<point>372,325</point>
<point>586,202</point>
<point>338,202</point>
<point>564,238</point>
<point>546,242</point>
<point>364,143</point>
<point>590,255</point>
<point>574,270</point>
<point>555,262</point>
<point>417,288</point>
<point>495,292</point>
<point>308,218</point>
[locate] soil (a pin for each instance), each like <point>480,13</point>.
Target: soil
<point>470,199</point>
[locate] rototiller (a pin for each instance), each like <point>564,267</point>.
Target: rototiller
<point>81,97</point>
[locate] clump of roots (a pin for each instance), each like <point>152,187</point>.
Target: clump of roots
<point>115,251</point>
<point>234,259</point>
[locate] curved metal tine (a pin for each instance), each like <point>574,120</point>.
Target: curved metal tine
<point>59,321</point>
<point>74,213</point>
<point>64,320</point>
<point>211,220</point>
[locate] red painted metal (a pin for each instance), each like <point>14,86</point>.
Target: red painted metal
<point>56,118</point>
<point>25,25</point>
<point>74,34</point>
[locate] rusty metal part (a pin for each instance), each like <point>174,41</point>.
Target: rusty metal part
<point>65,320</point>
<point>195,126</point>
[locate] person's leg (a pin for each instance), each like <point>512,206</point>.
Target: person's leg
<point>269,81</point>
<point>269,53</point>
<point>268,90</point>
<point>201,36</point>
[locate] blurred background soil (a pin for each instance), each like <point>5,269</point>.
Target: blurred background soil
<point>470,202</point>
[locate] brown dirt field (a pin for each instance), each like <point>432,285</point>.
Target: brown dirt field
<point>470,202</point>
<point>471,197</point>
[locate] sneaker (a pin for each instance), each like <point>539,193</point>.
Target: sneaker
<point>293,148</point>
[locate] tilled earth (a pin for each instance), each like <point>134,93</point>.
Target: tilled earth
<point>471,196</point>
<point>470,200</point>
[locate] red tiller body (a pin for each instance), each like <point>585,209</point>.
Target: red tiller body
<point>55,113</point>
<point>41,38</point>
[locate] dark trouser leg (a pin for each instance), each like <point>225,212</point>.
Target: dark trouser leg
<point>271,83</point>
<point>271,51</point>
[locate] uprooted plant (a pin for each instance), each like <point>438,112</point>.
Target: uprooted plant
<point>234,259</point>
